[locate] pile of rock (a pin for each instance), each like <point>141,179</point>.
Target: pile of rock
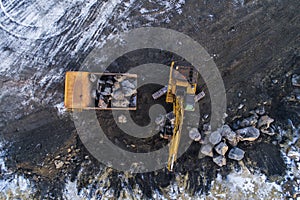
<point>117,91</point>
<point>223,142</point>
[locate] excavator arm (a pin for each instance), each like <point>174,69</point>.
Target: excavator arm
<point>173,149</point>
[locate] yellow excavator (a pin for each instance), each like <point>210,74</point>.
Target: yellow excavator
<point>181,92</point>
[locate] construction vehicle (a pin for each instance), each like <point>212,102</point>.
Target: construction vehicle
<point>181,92</point>
<point>100,91</point>
<point>111,91</point>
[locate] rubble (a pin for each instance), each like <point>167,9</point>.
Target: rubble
<point>236,154</point>
<point>127,84</point>
<point>260,110</point>
<point>118,95</point>
<point>121,103</point>
<point>58,164</point>
<point>93,77</point>
<point>265,121</point>
<point>122,119</point>
<point>248,134</point>
<point>160,120</point>
<point>194,134</point>
<point>249,121</point>
<point>229,135</point>
<point>221,148</point>
<point>215,137</point>
<point>207,150</point>
<point>128,91</point>
<point>220,160</point>
<point>296,80</point>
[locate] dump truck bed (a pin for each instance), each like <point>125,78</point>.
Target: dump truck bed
<point>102,91</point>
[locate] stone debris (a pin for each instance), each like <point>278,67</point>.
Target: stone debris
<point>119,78</point>
<point>128,91</point>
<point>221,148</point>
<point>93,77</point>
<point>118,95</point>
<point>248,134</point>
<point>294,155</point>
<point>229,135</point>
<point>122,119</point>
<point>127,84</point>
<point>206,129</point>
<point>236,154</point>
<point>249,121</point>
<point>58,164</point>
<point>207,150</point>
<point>269,131</point>
<point>102,104</point>
<point>195,135</point>
<point>160,120</point>
<point>260,110</point>
<point>215,137</point>
<point>265,121</point>
<point>296,80</point>
<point>220,160</point>
<point>120,103</point>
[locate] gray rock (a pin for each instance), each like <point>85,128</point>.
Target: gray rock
<point>127,84</point>
<point>160,120</point>
<point>122,119</point>
<point>215,137</point>
<point>296,80</point>
<point>194,134</point>
<point>220,160</point>
<point>120,103</point>
<point>118,95</point>
<point>248,134</point>
<point>93,78</point>
<point>58,164</point>
<point>207,150</point>
<point>119,78</point>
<point>221,148</point>
<point>128,91</point>
<point>110,82</point>
<point>269,131</point>
<point>260,110</point>
<point>229,135</point>
<point>236,154</point>
<point>249,121</point>
<point>264,121</point>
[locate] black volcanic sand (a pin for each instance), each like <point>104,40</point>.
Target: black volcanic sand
<point>252,45</point>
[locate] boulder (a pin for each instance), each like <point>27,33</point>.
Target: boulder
<point>207,150</point>
<point>236,154</point>
<point>220,160</point>
<point>118,95</point>
<point>249,121</point>
<point>296,80</point>
<point>229,135</point>
<point>265,121</point>
<point>194,134</point>
<point>215,137</point>
<point>127,84</point>
<point>248,134</point>
<point>221,148</point>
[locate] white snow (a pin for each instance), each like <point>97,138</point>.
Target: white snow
<point>13,186</point>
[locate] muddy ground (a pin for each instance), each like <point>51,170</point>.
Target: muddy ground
<point>256,48</point>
